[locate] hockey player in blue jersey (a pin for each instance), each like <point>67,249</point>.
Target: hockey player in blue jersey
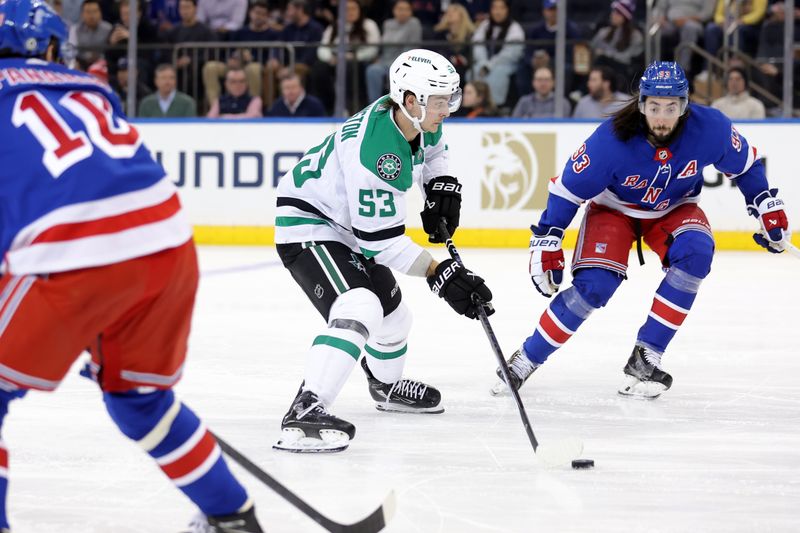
<point>641,172</point>
<point>96,253</point>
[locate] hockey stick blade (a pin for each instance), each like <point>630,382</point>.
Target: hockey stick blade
<point>373,523</point>
<point>792,249</point>
<point>554,454</point>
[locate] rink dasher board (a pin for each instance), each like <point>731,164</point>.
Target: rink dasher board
<point>227,172</point>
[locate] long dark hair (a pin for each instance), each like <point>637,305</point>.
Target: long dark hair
<point>629,121</point>
<point>358,33</point>
<point>497,45</point>
<point>626,30</point>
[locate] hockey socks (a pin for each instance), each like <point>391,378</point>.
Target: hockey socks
<point>5,397</point>
<point>330,361</point>
<point>671,305</point>
<point>3,484</point>
<point>558,323</point>
<point>182,446</point>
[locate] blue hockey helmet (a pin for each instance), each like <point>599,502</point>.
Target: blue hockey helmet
<point>28,26</point>
<point>665,79</point>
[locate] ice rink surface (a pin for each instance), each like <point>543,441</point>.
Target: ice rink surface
<point>718,452</point>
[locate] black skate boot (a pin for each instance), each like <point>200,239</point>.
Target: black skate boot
<point>520,368</point>
<point>244,522</point>
<point>403,396</point>
<point>644,377</point>
<point>309,427</point>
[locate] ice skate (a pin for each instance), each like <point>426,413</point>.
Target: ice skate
<point>644,377</point>
<point>244,522</point>
<point>520,369</point>
<point>403,396</point>
<point>308,428</point>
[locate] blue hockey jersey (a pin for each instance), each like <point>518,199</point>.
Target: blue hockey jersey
<point>643,181</point>
<point>77,186</point>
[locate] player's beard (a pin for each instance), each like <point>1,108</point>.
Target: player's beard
<point>662,135</point>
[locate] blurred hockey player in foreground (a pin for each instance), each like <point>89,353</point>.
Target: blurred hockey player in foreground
<point>642,171</point>
<point>340,231</point>
<point>97,254</point>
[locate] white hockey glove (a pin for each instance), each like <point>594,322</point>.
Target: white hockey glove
<point>546,265</point>
<point>768,209</point>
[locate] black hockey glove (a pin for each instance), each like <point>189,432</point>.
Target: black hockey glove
<point>442,200</point>
<point>457,285</point>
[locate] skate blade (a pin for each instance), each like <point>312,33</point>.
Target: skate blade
<point>641,390</point>
<point>294,440</point>
<point>499,389</point>
<point>399,408</point>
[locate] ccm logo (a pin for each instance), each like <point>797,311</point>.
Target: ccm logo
<point>446,187</point>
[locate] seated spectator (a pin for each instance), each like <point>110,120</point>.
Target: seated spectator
<point>402,29</point>
<point>427,12</point>
<point>497,50</point>
<point>737,103</point>
<point>541,103</point>
<point>456,28</point>
<point>222,16</point>
<point>119,82</point>
<point>478,9</point>
<point>748,17</point>
<point>70,10</point>
<point>58,7</point>
<point>544,53</point>
<point>236,103</point>
<point>167,101</point>
<point>258,30</point>
<point>477,101</point>
<point>90,35</point>
<point>118,39</point>
<point>190,30</point>
<point>163,15</point>
<point>683,21</point>
<point>360,31</point>
<point>620,45</point>
<point>294,102</point>
<point>301,28</point>
<point>603,98</point>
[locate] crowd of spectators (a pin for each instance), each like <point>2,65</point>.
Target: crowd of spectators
<point>228,58</point>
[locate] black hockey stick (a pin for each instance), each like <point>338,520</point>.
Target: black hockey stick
<point>487,327</point>
<point>552,454</point>
<point>372,524</point>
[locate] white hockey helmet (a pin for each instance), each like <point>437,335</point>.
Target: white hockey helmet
<point>424,73</point>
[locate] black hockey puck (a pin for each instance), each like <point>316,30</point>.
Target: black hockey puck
<point>583,464</point>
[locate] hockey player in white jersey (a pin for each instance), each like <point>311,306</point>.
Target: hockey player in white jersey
<point>340,231</point>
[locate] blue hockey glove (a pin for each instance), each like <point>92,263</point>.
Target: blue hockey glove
<point>768,209</point>
<point>546,264</point>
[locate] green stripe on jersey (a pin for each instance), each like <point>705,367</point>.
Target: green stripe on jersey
<point>369,254</point>
<point>386,355</point>
<point>297,221</point>
<point>346,346</point>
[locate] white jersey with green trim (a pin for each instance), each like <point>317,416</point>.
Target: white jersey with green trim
<point>351,187</point>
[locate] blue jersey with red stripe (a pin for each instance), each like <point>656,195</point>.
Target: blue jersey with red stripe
<point>78,188</point>
<point>644,181</point>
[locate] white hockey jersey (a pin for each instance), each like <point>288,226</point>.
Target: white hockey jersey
<point>352,187</point>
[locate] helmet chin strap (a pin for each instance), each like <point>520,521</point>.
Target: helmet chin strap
<point>416,122</point>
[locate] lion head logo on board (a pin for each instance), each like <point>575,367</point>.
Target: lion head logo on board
<point>389,166</point>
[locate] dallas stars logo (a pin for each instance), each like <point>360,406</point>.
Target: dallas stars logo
<point>357,264</point>
<point>389,166</point>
